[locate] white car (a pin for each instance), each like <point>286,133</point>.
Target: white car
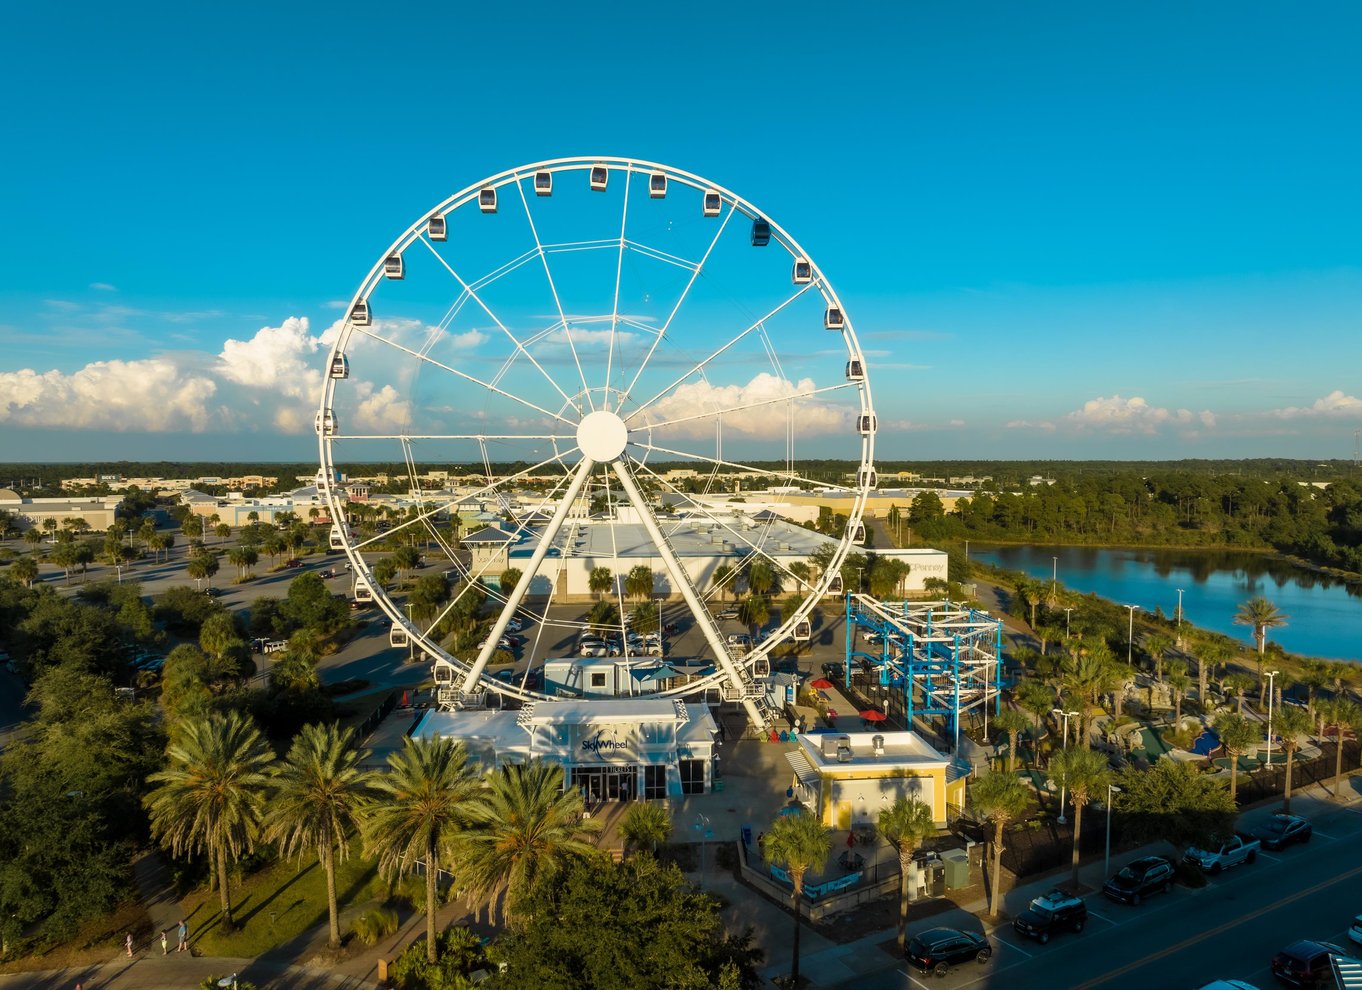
<point>740,639</point>
<point>502,644</point>
<point>513,624</point>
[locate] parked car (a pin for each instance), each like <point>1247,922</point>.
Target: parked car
<point>740,640</point>
<point>504,643</point>
<point>507,676</point>
<point>731,612</point>
<point>592,648</point>
<point>1306,963</point>
<point>1355,932</point>
<point>513,624</point>
<point>938,949</point>
<point>1238,848</point>
<point>1052,912</point>
<point>1280,831</point>
<point>213,592</point>
<point>294,562</point>
<point>834,671</point>
<point>330,572</point>
<point>1150,875</point>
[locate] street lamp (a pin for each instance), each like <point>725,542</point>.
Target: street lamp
<point>706,833</point>
<point>1271,685</point>
<point>1130,635</point>
<point>1054,578</point>
<point>858,579</point>
<point>1066,621</point>
<point>1179,613</point>
<point>1063,792</point>
<point>1106,866</point>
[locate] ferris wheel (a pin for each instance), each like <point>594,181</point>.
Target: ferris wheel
<point>597,364</point>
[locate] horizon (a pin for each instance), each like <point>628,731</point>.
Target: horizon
<point>1065,235</point>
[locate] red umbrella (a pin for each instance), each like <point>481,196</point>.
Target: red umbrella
<point>873,715</point>
<point>821,684</point>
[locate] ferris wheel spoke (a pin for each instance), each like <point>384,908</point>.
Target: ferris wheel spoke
<point>495,437</point>
<point>700,366</point>
<point>711,414</point>
<point>517,594</point>
<point>615,307</point>
<point>427,359</point>
<point>515,341</point>
<point>738,466</point>
<point>553,288</point>
<point>681,582</point>
<point>676,308</point>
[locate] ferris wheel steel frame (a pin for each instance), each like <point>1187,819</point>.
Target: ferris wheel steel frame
<point>734,673</point>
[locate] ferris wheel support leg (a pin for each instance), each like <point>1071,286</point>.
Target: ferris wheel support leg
<point>682,582</point>
<point>517,594</point>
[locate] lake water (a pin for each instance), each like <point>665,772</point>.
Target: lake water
<point>1324,615</point>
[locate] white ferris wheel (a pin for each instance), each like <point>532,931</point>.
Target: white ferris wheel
<point>614,346</point>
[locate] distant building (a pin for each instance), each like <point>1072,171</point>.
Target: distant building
<point>98,512</point>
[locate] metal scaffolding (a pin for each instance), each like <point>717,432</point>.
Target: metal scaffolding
<point>942,657</point>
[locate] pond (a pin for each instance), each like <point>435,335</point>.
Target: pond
<point>1324,615</point>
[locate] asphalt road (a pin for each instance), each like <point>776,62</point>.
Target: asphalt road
<point>1229,929</point>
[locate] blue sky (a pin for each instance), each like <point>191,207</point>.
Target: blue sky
<point>1060,230</point>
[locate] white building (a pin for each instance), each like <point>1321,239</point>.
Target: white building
<point>614,750</point>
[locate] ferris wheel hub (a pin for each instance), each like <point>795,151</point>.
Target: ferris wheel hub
<point>602,436</point>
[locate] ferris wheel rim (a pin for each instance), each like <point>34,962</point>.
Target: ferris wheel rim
<point>812,593</point>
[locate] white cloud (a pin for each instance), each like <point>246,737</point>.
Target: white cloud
<point>154,395</point>
<point>1335,405</point>
<point>742,415</point>
<point>283,359</point>
<point>103,287</point>
<point>1031,424</point>
<point>1135,415</point>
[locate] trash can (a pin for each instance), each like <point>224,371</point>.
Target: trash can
<point>937,874</point>
<point>956,863</point>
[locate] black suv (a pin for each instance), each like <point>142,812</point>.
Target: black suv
<point>1306,963</point>
<point>936,950</point>
<point>834,671</point>
<point>1150,875</point>
<point>1051,912</point>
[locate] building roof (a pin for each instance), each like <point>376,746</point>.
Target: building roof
<point>690,536</point>
<point>901,750</point>
<point>580,711</point>
<point>489,535</point>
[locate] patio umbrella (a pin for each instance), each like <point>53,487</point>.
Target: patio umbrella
<point>822,684</point>
<point>873,715</point>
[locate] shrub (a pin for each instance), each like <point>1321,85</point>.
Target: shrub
<point>374,925</point>
<point>459,951</point>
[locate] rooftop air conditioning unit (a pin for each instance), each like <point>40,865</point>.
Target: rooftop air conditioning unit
<point>833,742</point>
<point>877,745</point>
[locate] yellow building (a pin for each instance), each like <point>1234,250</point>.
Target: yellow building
<point>848,778</point>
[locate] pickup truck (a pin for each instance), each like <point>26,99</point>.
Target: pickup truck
<point>1238,848</point>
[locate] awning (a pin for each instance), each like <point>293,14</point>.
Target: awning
<point>803,770</point>
<point>663,673</point>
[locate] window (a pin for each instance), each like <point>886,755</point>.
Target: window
<point>654,782</point>
<point>692,776</point>
<point>598,680</point>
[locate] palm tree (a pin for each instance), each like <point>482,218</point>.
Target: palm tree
<point>1262,615</point>
<point>1238,735</point>
<point>524,828</point>
<point>24,569</point>
<point>999,798</point>
<point>1082,772</point>
<point>798,843</point>
<point>1344,715</point>
<point>638,583</point>
<point>320,793</point>
<point>1292,723</point>
<point>1179,682</point>
<point>1014,723</point>
<point>1315,675</point>
<point>1239,683</point>
<point>419,812</point>
<point>601,581</point>
<point>1157,644</point>
<point>646,824</point>
<point>212,795</point>
<point>905,825</point>
<point>1209,655</point>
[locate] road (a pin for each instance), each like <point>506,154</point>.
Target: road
<point>1228,930</point>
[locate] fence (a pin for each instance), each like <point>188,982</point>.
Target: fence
<point>756,873</point>
<point>372,720</point>
<point>1270,782</point>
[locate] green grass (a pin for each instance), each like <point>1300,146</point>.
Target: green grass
<point>278,904</point>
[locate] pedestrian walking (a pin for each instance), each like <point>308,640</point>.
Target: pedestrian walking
<point>183,932</point>
<point>128,943</point>
<point>165,942</point>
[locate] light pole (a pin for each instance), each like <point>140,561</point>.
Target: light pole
<point>411,644</point>
<point>858,579</point>
<point>1066,621</point>
<point>1106,865</point>
<point>1179,614</point>
<point>1054,578</point>
<point>1130,635</point>
<point>1271,684</point>
<point>1063,791</point>
<point>706,833</point>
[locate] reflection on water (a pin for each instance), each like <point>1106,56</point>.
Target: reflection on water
<point>1324,614</point>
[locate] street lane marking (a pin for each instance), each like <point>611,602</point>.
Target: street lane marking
<point>1101,917</point>
<point>1218,929</point>
<point>913,979</point>
<point>1274,859</point>
<point>1323,836</point>
<point>1003,941</point>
